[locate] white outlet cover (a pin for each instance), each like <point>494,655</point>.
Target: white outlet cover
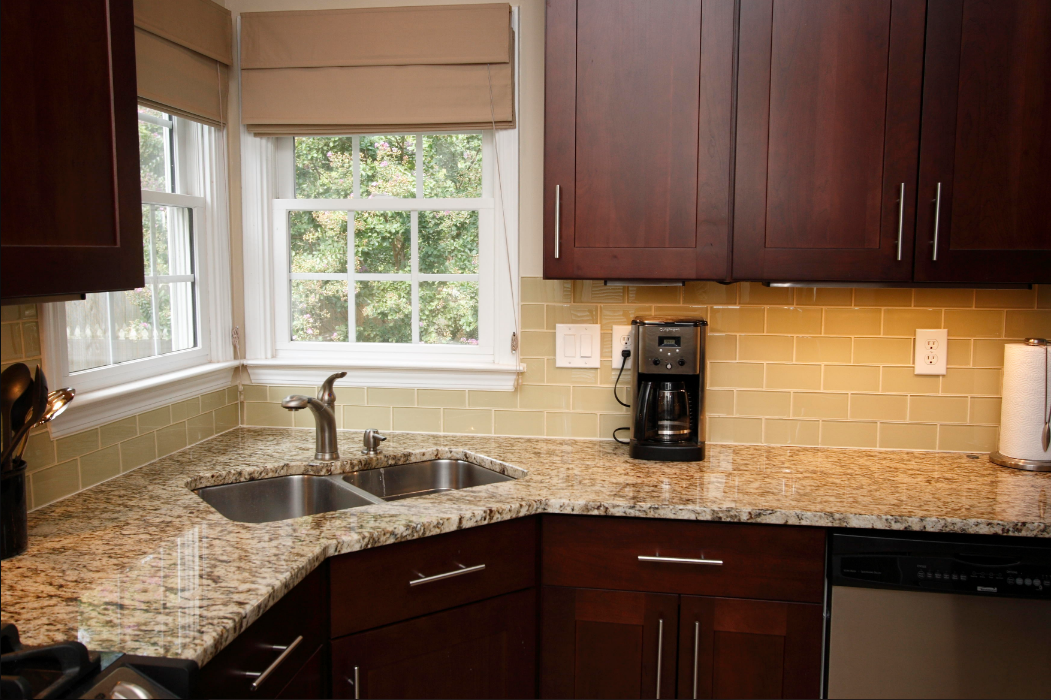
<point>578,345</point>
<point>932,350</point>
<point>621,341</point>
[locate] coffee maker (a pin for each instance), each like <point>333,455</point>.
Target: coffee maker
<point>667,389</point>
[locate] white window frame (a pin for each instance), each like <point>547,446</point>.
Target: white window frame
<point>116,391</point>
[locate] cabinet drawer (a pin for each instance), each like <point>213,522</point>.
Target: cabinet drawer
<point>387,584</point>
<point>771,562</point>
<point>299,614</point>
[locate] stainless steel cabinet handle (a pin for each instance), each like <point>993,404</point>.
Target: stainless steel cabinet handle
<point>260,678</point>
<point>901,217</point>
<point>448,574</point>
<point>357,688</point>
<point>660,653</point>
<point>558,221</point>
<point>681,560</point>
<point>696,650</point>
<point>937,219</point>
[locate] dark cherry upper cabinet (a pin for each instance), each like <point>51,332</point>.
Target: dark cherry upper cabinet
<point>69,188</point>
<point>986,140</point>
<point>828,117</point>
<point>637,138</point>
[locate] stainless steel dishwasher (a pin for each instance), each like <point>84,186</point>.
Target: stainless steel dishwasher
<point>939,618</point>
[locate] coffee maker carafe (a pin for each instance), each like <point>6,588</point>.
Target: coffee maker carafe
<point>668,389</point>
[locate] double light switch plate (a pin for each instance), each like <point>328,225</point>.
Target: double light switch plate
<point>932,349</point>
<point>578,345</point>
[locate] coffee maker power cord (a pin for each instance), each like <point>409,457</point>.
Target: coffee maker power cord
<point>625,354</point>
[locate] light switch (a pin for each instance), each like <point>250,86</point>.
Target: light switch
<point>577,345</point>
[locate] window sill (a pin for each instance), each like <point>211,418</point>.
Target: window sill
<point>95,408</point>
<point>389,373</point>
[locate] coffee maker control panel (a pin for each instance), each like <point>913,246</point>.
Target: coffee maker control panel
<point>670,349</point>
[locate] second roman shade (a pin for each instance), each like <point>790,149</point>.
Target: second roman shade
<point>446,67</point>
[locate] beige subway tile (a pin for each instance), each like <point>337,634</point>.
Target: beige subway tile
<point>118,431</point>
<point>646,294</point>
<point>754,293</point>
<point>469,420</point>
<point>9,313</point>
<point>269,415</point>
<point>1043,296</point>
<point>378,396</point>
<point>587,398</point>
<point>763,403</point>
<point>231,396</point>
<point>606,375</point>
<point>680,311</point>
<point>908,436</point>
<point>959,354</point>
<point>745,375</point>
<point>793,376</point>
<point>442,398</point>
<point>570,313</point>
<point>883,351</point>
<point>277,394</point>
<point>538,343</point>
<point>848,434</point>
<point>606,346</point>
<point>793,320</point>
<point>989,352</point>
<point>202,427</point>
<point>492,399</point>
<point>40,451</point>
<point>608,422</point>
<point>28,310</point>
<point>540,291</point>
<point>138,451</point>
<point>577,425</point>
<point>742,431</point>
<point>721,347</point>
<point>365,417</point>
<point>534,370</point>
<point>782,431</point>
<point>595,291</point>
<point>824,296</point>
<point>944,298</point>
<point>875,296</point>
<point>419,420</point>
<point>819,405</point>
<point>905,321</point>
<point>255,392</point>
<point>518,422</point>
<point>1005,298</point>
<point>99,466</point>
<point>622,315</point>
<point>171,439</point>
<point>765,348</point>
<point>227,417</point>
<point>823,349</point>
<point>938,409</point>
<point>55,482</point>
<point>1028,324</point>
<point>76,445</point>
<point>719,401</point>
<point>571,375</point>
<point>533,317</point>
<point>709,293</point>
<point>545,397</point>
<point>967,438</point>
<point>974,323</point>
<point>985,410</point>
<point>185,409</point>
<point>31,339</point>
<point>852,321</point>
<point>157,418</point>
<point>904,380</point>
<point>736,319</point>
<point>879,407</point>
<point>216,399</point>
<point>11,341</point>
<point>964,380</point>
<point>851,378</point>
<point>351,395</point>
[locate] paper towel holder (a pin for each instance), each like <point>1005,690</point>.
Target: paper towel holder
<point>1033,465</point>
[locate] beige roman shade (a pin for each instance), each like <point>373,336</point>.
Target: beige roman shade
<point>376,69</point>
<point>183,50</point>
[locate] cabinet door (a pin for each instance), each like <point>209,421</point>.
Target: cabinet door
<point>607,644</point>
<point>828,114</point>
<point>986,143</point>
<point>730,648</point>
<point>637,138</point>
<point>70,173</point>
<point>482,650</point>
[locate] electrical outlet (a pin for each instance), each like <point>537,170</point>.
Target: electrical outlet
<point>621,341</point>
<point>932,349</point>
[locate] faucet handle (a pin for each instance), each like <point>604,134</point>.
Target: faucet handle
<point>325,393</point>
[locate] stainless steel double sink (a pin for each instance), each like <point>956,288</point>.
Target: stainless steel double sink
<point>283,497</point>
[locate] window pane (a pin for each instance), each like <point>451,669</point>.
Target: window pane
<point>324,167</point>
<point>452,165</point>
<point>87,334</point>
<point>172,240</point>
<point>384,312</point>
<point>382,241</point>
<point>448,242</point>
<point>154,154</point>
<point>319,241</point>
<point>176,317</point>
<point>449,313</point>
<point>132,324</point>
<point>147,229</point>
<point>388,166</point>
<point>319,310</point>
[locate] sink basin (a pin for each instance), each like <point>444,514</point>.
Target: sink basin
<point>422,478</point>
<point>282,497</point>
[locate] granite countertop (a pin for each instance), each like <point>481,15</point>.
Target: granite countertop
<point>141,564</point>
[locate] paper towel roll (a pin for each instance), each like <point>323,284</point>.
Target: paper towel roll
<point>1027,388</point>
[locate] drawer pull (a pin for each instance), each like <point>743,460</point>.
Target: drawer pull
<point>354,682</point>
<point>681,560</point>
<point>260,678</point>
<point>696,650</point>
<point>448,574</point>
<point>660,654</point>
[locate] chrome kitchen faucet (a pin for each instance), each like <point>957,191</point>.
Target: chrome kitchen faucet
<point>323,407</point>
